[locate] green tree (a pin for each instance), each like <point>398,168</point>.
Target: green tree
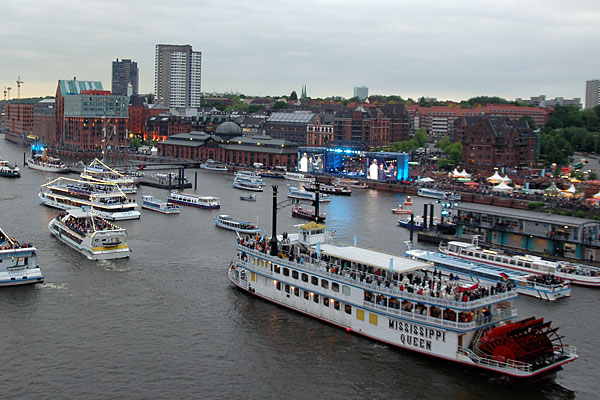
<point>591,120</point>
<point>529,120</point>
<point>149,98</point>
<point>454,151</point>
<point>421,137</point>
<point>280,105</point>
<point>135,143</point>
<point>294,95</point>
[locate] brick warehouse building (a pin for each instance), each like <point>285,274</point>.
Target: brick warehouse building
<point>19,120</point>
<point>227,145</point>
<point>497,142</point>
<point>139,113</point>
<point>44,120</point>
<point>83,110</point>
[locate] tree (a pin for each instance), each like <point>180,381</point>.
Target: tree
<point>421,137</point>
<point>529,120</point>
<point>280,105</point>
<point>150,98</point>
<point>590,120</point>
<point>294,95</point>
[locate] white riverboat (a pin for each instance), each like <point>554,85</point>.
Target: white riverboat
<point>545,287</point>
<point>247,183</point>
<point>294,192</point>
<point>150,202</point>
<point>90,235</point>
<point>18,262</point>
<point>438,194</point>
<point>212,165</point>
<point>106,198</point>
<point>578,274</point>
<point>9,170</point>
<point>194,200</point>
<point>45,163</point>
<point>397,301</point>
<point>253,176</point>
<point>328,189</point>
<point>97,171</point>
<point>228,222</point>
<point>353,183</point>
<point>298,177</point>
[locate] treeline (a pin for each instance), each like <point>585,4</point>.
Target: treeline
<point>569,130</point>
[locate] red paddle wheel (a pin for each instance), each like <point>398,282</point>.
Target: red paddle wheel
<point>530,341</point>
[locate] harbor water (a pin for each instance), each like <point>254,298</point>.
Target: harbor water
<point>166,323</point>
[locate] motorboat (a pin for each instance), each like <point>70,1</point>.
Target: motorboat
<point>294,192</point>
<point>194,200</point>
<point>228,222</point>
<point>307,212</point>
<point>150,202</point>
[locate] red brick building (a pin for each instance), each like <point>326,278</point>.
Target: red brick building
<point>139,113</point>
<point>161,127</point>
<point>19,119</point>
<point>497,142</point>
<point>44,120</point>
<point>320,132</point>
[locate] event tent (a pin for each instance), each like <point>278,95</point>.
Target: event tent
<point>496,178</point>
<point>502,187</point>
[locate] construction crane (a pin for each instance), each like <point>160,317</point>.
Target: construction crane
<point>19,82</point>
<point>7,90</point>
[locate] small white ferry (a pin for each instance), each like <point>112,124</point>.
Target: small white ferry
<point>212,165</point>
<point>578,274</point>
<point>194,200</point>
<point>45,163</point>
<point>294,192</point>
<point>252,176</point>
<point>438,194</point>
<point>245,183</point>
<point>18,262</point>
<point>9,170</point>
<point>399,302</point>
<point>106,198</point>
<point>91,235</point>
<point>546,287</point>
<point>150,202</point>
<point>228,222</point>
<point>97,171</point>
<point>329,189</point>
<point>298,177</point>
<point>353,183</point>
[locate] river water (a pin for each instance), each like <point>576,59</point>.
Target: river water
<point>166,323</point>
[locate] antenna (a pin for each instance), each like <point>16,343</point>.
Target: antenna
<point>19,82</point>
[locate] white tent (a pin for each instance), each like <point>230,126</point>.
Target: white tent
<point>571,189</point>
<point>425,180</point>
<point>502,187</point>
<point>505,179</point>
<point>495,178</point>
<point>461,174</point>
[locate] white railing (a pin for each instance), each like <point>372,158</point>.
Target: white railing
<point>508,365</point>
<point>456,304</point>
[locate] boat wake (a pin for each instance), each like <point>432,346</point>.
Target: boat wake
<point>52,286</point>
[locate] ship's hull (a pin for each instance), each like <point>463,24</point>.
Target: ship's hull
<point>121,251</point>
<point>45,168</point>
<point>23,277</point>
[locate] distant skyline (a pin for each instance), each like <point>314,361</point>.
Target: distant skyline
<point>441,49</point>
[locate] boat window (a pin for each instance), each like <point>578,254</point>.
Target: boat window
<point>324,284</point>
<point>512,262</point>
<point>306,295</point>
<point>368,296</point>
<point>314,280</point>
<point>296,292</point>
<point>346,290</point>
<point>278,285</point>
<point>287,288</point>
<point>295,274</point>
<point>528,265</point>
<point>316,298</point>
<point>326,301</point>
<point>336,305</point>
<point>277,269</point>
<point>335,286</point>
<point>520,263</point>
<point>348,309</point>
<point>304,278</point>
<point>286,272</point>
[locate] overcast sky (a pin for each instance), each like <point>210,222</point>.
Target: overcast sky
<point>445,49</point>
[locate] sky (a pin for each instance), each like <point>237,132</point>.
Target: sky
<point>447,49</point>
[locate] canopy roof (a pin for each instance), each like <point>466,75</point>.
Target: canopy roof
<point>372,258</point>
<point>502,187</point>
<point>495,178</point>
<point>425,180</point>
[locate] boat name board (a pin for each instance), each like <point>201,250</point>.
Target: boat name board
<point>417,336</point>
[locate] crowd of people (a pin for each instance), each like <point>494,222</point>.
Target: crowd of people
<point>545,279</point>
<point>83,226</point>
<point>8,243</point>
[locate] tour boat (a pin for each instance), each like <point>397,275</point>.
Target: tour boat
<point>398,301</point>
<point>212,165</point>
<point>297,193</point>
<point>194,200</point>
<point>97,171</point>
<point>252,176</point>
<point>417,222</point>
<point>576,273</point>
<point>247,183</point>
<point>328,189</point>
<point>228,222</point>
<point>150,202</point>
<point>307,213</point>
<point>400,210</point>
<point>438,194</point>
<point>272,174</point>
<point>9,170</point>
<point>248,198</point>
<point>352,183</point>
<point>45,163</point>
<point>18,262</point>
<point>106,198</point>
<point>298,177</point>
<point>546,287</point>
<point>90,234</point>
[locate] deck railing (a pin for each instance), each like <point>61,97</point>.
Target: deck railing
<point>508,365</point>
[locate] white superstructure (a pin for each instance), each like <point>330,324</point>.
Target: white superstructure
<point>18,262</point>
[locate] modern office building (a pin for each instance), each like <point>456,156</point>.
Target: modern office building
<point>124,72</point>
<point>177,75</point>
<point>362,92</point>
<point>592,93</point>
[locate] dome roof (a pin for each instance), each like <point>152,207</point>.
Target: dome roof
<point>228,129</point>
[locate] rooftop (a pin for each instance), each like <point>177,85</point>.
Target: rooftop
<point>373,258</point>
